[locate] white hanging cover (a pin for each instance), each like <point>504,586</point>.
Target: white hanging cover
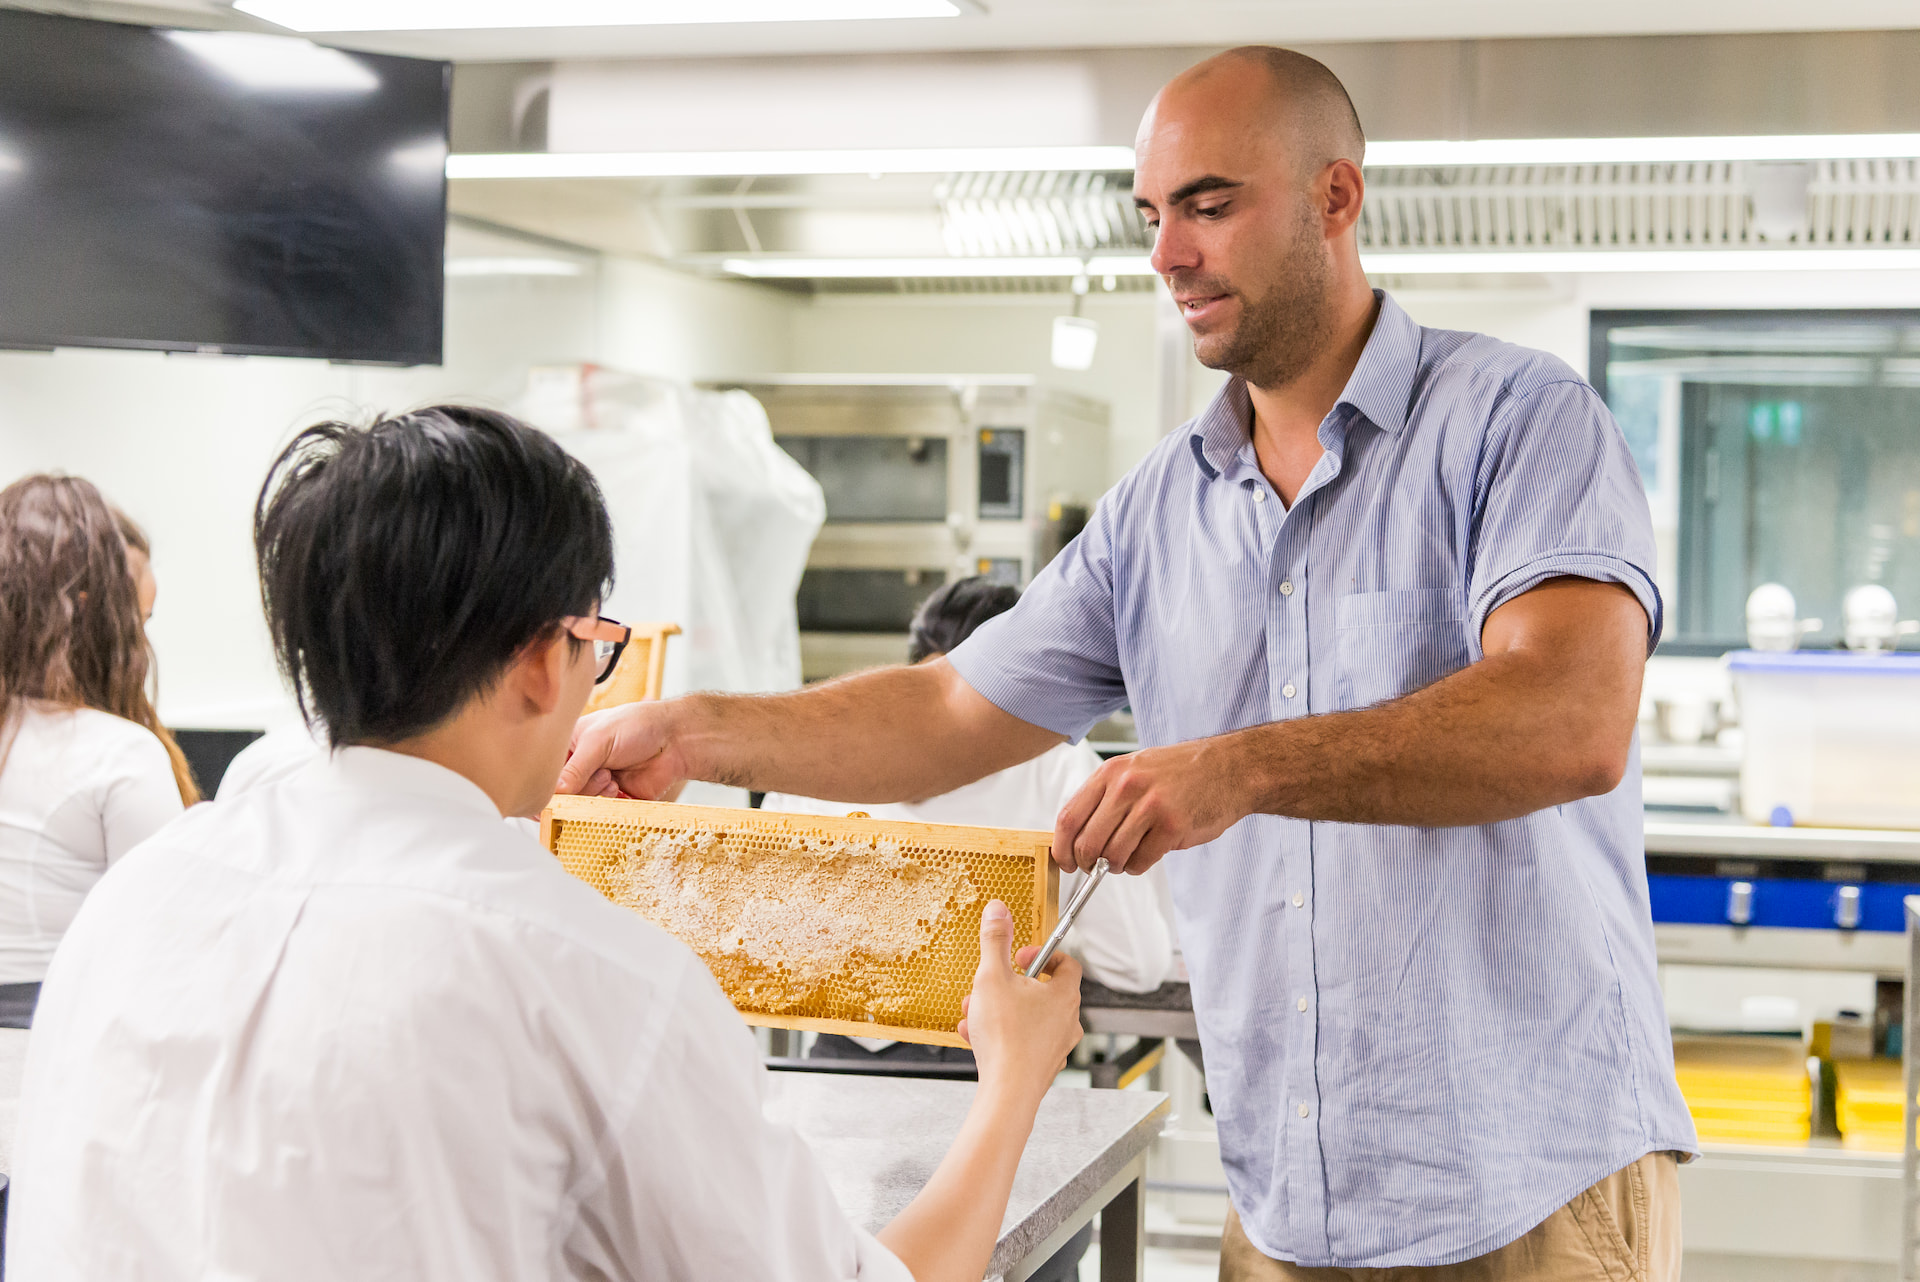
<point>712,521</point>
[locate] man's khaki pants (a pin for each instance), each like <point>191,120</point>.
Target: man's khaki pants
<point>1626,1228</point>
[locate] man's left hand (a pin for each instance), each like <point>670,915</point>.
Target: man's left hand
<point>1138,807</point>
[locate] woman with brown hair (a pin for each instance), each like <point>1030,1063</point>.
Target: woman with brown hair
<point>87,772</point>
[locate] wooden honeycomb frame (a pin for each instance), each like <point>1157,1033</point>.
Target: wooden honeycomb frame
<point>588,835</point>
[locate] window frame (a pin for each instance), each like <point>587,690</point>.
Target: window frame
<point>1600,324</point>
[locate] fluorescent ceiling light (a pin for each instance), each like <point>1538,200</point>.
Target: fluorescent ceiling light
<point>1386,264</point>
<point>889,268</point>
<point>1116,159</point>
<point>283,64</point>
<point>513,267</point>
<point>739,164</point>
<point>471,15</point>
<point>1626,151</point>
<point>1643,260</point>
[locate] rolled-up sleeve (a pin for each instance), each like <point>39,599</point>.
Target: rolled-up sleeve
<point>1053,660</point>
<point>1558,495</point>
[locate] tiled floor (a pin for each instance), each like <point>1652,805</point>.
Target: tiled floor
<point>1163,1265</point>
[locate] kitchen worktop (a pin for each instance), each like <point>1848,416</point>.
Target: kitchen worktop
<point>879,1139</point>
<point>1731,836</point>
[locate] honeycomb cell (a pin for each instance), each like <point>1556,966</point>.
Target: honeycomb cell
<point>840,925</point>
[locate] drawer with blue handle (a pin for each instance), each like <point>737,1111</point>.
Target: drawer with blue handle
<point>1778,901</point>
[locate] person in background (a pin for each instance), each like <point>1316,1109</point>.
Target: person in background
<point>352,1025</point>
<point>85,768</point>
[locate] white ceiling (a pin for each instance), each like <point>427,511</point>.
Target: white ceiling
<point>1076,24</point>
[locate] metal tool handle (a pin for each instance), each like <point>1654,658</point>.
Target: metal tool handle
<point>1074,906</point>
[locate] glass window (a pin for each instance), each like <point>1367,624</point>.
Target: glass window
<point>1777,447</point>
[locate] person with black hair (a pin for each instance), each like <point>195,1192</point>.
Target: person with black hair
<point>351,1024</point>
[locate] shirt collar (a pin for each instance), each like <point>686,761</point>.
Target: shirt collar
<point>1380,389</point>
<point>375,770</point>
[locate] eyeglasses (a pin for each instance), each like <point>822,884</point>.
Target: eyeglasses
<point>609,637</point>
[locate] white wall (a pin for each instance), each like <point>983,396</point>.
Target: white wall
<point>183,442</point>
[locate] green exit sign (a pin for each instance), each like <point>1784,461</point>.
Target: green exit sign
<point>1776,421</point>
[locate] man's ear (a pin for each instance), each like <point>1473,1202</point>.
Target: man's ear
<point>1342,189</point>
<point>537,677</point>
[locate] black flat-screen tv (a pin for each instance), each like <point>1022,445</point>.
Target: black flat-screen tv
<point>219,191</point>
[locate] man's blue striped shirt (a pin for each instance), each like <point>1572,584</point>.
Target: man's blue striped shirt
<point>1420,1042</point>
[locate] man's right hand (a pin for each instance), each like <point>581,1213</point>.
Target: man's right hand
<point>628,749</point>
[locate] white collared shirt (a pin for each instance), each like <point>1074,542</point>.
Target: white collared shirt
<point>351,1025</point>
<point>78,789</point>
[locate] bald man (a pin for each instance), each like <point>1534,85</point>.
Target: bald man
<point>1381,612</point>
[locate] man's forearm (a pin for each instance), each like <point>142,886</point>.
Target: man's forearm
<point>1494,741</point>
<point>895,734</point>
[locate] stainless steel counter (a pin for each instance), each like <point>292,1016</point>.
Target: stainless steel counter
<point>1736,839</point>
<point>879,1139</point>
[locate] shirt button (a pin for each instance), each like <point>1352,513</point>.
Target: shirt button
<point>1299,901</point>
<point>1286,588</point>
<point>1259,496</point>
<point>1304,1110</point>
<point>1287,689</point>
<point>1302,1004</point>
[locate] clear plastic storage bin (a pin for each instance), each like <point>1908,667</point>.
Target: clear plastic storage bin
<point>1832,739</point>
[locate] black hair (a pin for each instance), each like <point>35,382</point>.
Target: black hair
<point>950,615</point>
<point>403,565</point>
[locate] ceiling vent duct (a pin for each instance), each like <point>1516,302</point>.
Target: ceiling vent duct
<point>1696,205</point>
<point>1004,214</point>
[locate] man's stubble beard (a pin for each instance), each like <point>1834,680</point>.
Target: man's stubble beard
<point>1280,337</point>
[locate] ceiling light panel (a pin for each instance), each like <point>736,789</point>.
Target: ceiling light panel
<point>764,164</point>
<point>475,15</point>
<point>1453,264</point>
<point>1644,260</point>
<point>1628,151</point>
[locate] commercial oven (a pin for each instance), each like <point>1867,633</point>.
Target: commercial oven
<point>928,479</point>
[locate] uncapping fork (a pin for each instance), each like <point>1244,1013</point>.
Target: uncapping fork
<point>1074,906</point>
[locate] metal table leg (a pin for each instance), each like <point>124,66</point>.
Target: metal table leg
<point>1122,1219</point>
<point>1123,1236</point>
<point>1910,1078</point>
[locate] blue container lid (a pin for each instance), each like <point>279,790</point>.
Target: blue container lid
<point>1825,663</point>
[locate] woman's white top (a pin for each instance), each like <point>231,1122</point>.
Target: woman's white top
<point>351,1025</point>
<point>78,789</point>
<point>1122,936</point>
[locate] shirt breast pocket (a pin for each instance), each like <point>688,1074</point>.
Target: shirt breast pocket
<point>1393,643</point>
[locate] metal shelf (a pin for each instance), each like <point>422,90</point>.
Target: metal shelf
<point>1737,840</point>
<point>1816,1201</point>
<point>1881,952</point>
